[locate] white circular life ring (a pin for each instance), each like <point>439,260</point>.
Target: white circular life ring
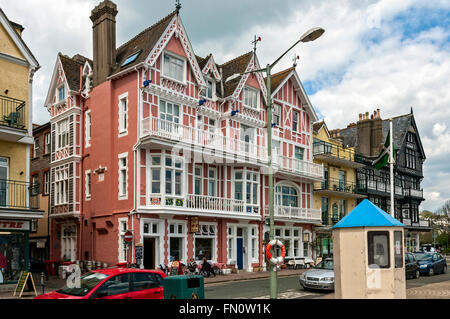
<point>275,260</point>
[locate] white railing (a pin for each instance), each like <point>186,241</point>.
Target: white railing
<point>295,212</point>
<point>297,166</point>
<point>406,221</point>
<point>152,126</point>
<point>208,203</point>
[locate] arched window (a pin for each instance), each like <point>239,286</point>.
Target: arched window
<point>287,196</point>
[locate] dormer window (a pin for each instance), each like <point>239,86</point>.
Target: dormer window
<point>61,93</point>
<point>173,68</point>
<point>210,89</point>
<point>251,98</point>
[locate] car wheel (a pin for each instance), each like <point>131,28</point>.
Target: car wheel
<point>417,274</point>
<point>431,272</point>
<point>444,270</point>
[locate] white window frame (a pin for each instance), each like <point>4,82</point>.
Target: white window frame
<point>245,91</point>
<point>62,185</point>
<point>62,133</point>
<point>213,89</point>
<point>46,182</point>
<point>123,115</point>
<point>123,227</point>
<point>58,99</point>
<point>88,128</point>
<point>254,243</point>
<point>309,246</point>
<point>47,143</point>
<point>297,122</point>
<point>155,167</point>
<point>36,147</point>
<point>121,168</point>
<point>199,235</point>
<point>213,180</point>
<point>174,170</point>
<point>163,66</point>
<point>292,238</point>
<point>231,250</point>
<point>177,234</point>
<point>200,178</point>
<point>88,184</point>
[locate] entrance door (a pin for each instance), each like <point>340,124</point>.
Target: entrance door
<point>240,253</point>
<point>149,253</point>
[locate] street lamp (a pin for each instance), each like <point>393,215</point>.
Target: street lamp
<point>310,35</point>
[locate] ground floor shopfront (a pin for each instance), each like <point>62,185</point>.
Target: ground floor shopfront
<point>14,249</point>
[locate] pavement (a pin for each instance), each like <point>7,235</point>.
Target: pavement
<point>54,283</point>
<point>439,290</point>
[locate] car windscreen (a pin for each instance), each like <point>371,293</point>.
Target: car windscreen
<point>87,282</point>
<point>325,264</point>
<point>424,257</point>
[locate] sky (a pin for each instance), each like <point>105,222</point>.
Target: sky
<point>391,55</point>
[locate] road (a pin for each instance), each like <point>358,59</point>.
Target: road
<point>289,288</point>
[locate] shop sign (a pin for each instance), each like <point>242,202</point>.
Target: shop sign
<point>194,225</point>
<point>14,225</point>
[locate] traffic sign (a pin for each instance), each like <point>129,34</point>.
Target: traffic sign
<point>128,237</point>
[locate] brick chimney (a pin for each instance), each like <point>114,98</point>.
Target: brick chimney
<point>370,133</point>
<point>104,35</point>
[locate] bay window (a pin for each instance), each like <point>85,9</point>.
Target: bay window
<point>287,196</point>
<point>62,133</point>
<point>62,185</point>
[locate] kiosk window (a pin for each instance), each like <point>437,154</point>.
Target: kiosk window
<point>398,249</point>
<point>378,243</point>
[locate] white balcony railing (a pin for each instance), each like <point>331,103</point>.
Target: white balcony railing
<point>295,212</point>
<point>156,127</point>
<point>199,203</point>
<point>293,165</point>
<point>421,223</point>
<point>208,203</point>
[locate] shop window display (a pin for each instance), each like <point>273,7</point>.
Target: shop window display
<point>12,257</point>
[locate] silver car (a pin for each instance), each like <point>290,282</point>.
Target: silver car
<point>320,277</point>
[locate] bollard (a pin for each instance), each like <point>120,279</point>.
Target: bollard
<point>42,282</point>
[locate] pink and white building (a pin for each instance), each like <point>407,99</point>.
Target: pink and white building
<point>151,138</point>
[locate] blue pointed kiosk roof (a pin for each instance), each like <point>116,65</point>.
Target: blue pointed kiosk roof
<point>366,214</point>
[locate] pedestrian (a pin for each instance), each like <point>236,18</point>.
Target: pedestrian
<point>192,266</point>
<point>207,268</point>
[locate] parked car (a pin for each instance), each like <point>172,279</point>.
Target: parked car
<point>431,263</point>
<point>412,267</point>
<point>319,277</point>
<point>427,248</point>
<point>113,283</point>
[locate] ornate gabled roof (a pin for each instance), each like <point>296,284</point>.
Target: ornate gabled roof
<point>144,42</point>
<point>278,78</point>
<point>318,125</point>
<point>72,69</point>
<point>202,61</point>
<point>236,66</point>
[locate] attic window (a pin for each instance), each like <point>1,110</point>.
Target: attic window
<point>131,58</point>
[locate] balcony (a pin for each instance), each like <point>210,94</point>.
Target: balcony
<point>12,112</point>
<point>421,224</point>
<point>298,167</point>
<point>304,214</point>
<point>366,186</point>
<point>202,205</point>
<point>336,155</point>
<point>186,136</point>
<point>335,187</point>
<point>16,195</point>
<point>410,192</point>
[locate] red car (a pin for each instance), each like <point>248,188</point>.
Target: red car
<point>114,283</point>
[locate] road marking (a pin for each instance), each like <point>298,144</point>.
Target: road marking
<point>288,294</point>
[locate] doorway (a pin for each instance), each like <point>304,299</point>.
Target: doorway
<point>239,248</point>
<point>149,253</point>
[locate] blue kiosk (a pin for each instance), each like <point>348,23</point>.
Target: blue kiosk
<point>369,255</point>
